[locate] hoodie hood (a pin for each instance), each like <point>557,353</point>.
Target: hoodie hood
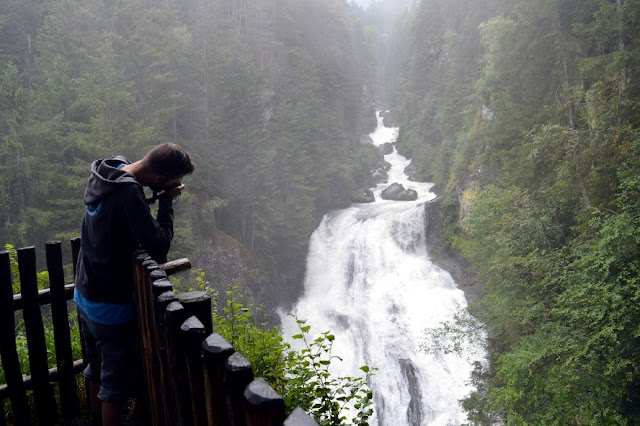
<point>106,178</point>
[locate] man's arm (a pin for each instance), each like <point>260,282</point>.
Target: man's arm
<point>152,235</point>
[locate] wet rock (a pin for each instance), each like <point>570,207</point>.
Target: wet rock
<point>411,171</point>
<point>387,120</point>
<point>380,173</point>
<point>443,255</point>
<point>366,140</point>
<point>363,195</point>
<point>385,148</point>
<point>379,176</point>
<point>397,192</point>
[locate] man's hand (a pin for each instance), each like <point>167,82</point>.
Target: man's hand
<point>174,192</point>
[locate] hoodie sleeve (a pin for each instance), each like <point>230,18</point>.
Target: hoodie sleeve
<point>152,235</point>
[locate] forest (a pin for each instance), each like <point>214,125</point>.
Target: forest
<point>270,96</point>
<point>524,113</point>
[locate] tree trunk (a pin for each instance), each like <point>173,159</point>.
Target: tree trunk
<point>244,223</point>
<point>175,126</point>
<point>572,120</point>
<point>205,72</point>
<point>622,47</point>
<point>253,230</point>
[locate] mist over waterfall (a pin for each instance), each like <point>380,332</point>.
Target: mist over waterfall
<point>370,281</point>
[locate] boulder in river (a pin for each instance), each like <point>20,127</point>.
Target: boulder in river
<point>366,140</point>
<point>363,195</point>
<point>386,148</point>
<point>396,192</point>
<point>387,119</point>
<point>380,174</point>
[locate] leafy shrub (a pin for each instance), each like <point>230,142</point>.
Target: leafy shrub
<point>302,377</point>
<point>312,387</point>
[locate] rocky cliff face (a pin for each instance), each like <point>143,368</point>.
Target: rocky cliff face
<point>444,256</point>
<point>228,263</point>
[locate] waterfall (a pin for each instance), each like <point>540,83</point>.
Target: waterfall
<point>370,281</point>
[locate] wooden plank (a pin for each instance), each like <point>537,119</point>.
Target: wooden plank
<point>216,350</point>
<point>8,353</point>
<point>45,403</point>
<point>148,340</point>
<point>44,296</point>
<point>175,315</point>
<point>238,374</point>
<point>162,302</point>
<point>53,375</point>
<point>264,406</point>
<point>193,334</point>
<point>161,286</point>
<point>175,266</point>
<point>299,418</point>
<point>60,317</point>
<point>157,275</point>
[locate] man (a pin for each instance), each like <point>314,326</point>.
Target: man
<point>117,222</point>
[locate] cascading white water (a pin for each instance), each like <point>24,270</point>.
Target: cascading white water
<point>370,281</point>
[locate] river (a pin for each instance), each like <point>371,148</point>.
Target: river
<point>370,281</point>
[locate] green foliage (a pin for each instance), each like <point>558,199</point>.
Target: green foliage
<point>538,159</point>
<point>262,346</point>
<point>41,277</point>
<point>312,387</point>
<point>23,351</point>
<point>302,376</point>
<point>454,336</point>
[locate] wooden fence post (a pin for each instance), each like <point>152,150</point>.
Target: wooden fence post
<point>157,274</point>
<point>162,301</point>
<point>46,409</point>
<point>148,340</point>
<point>216,350</point>
<point>238,374</point>
<point>162,286</point>
<point>193,333</point>
<point>175,315</point>
<point>264,406</point>
<point>198,303</point>
<point>10,361</point>
<point>299,418</point>
<point>75,252</point>
<point>60,318</point>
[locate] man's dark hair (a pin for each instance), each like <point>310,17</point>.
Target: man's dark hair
<point>169,160</point>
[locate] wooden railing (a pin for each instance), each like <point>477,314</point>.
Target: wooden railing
<point>192,376</point>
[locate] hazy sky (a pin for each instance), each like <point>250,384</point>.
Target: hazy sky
<point>362,3</point>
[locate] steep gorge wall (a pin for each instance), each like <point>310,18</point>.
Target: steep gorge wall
<point>443,255</point>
